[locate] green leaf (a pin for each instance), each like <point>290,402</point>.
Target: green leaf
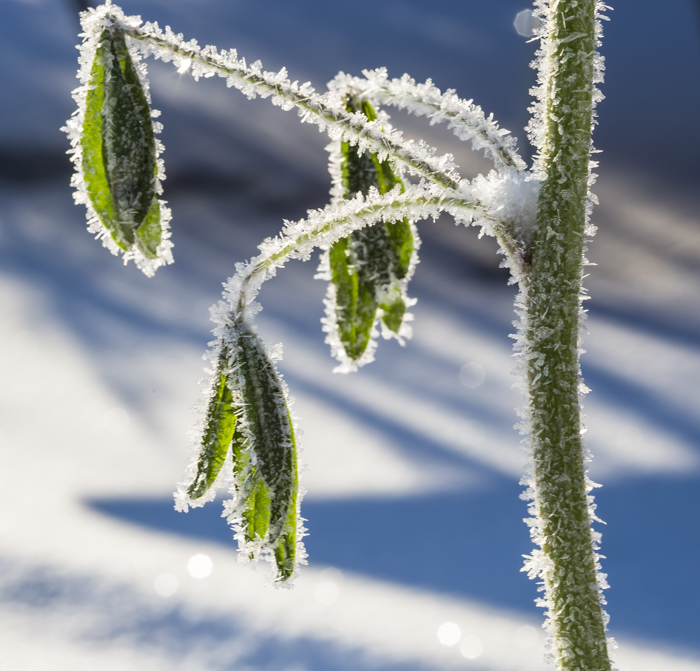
<point>367,267</point>
<point>265,454</point>
<point>393,313</point>
<point>355,304</point>
<point>219,431</point>
<point>269,424</point>
<point>119,151</point>
<point>256,513</point>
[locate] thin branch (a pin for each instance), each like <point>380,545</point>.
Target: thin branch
<point>326,226</point>
<point>325,110</point>
<point>464,118</point>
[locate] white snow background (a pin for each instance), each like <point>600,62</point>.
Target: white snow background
<point>413,465</point>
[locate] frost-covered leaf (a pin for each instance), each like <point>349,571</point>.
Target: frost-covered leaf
<point>115,151</point>
<point>355,302</point>
<point>248,412</point>
<point>119,156</point>
<point>368,269</point>
<point>270,432</point>
<point>256,511</point>
<point>219,430</point>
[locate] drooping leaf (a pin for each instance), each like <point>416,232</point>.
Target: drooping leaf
<point>119,151</point>
<point>220,425</point>
<point>354,313</point>
<point>256,513</point>
<point>367,267</point>
<point>263,448</point>
<point>269,425</point>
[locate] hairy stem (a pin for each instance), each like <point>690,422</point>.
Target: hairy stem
<point>467,120</point>
<point>302,238</point>
<point>309,103</point>
<point>552,342</point>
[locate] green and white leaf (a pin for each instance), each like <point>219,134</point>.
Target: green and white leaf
<point>368,271</point>
<point>115,152</point>
<point>248,424</point>
<point>220,426</point>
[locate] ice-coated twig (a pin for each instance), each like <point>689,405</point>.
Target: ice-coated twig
<point>463,117</point>
<point>326,110</point>
<point>326,226</point>
<point>233,317</point>
<point>248,402</point>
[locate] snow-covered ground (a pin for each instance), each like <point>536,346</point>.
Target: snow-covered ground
<point>413,465</point>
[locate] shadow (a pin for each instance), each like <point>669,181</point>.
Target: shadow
<point>469,545</point>
<point>631,397</point>
<point>460,544</point>
<point>113,612</point>
<point>409,441</point>
<point>639,319</point>
<point>29,165</point>
<point>653,593</point>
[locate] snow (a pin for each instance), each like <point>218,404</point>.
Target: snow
<point>348,459</point>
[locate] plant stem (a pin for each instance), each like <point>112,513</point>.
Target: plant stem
<point>552,305</point>
<point>466,119</point>
<point>309,103</point>
<point>330,228</point>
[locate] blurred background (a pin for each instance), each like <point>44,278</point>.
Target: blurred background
<point>415,525</point>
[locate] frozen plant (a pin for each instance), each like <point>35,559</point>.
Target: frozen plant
<point>381,185</point>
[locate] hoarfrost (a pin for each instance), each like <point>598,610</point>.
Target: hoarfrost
<point>93,22</point>
<point>538,565</point>
<point>466,120</point>
<point>504,203</point>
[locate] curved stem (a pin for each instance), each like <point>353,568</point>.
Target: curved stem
<point>324,227</point>
<point>328,113</point>
<point>567,561</point>
<point>467,120</point>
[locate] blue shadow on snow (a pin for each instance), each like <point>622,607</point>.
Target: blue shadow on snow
<point>469,545</point>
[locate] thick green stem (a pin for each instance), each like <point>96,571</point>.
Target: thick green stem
<point>552,349</point>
